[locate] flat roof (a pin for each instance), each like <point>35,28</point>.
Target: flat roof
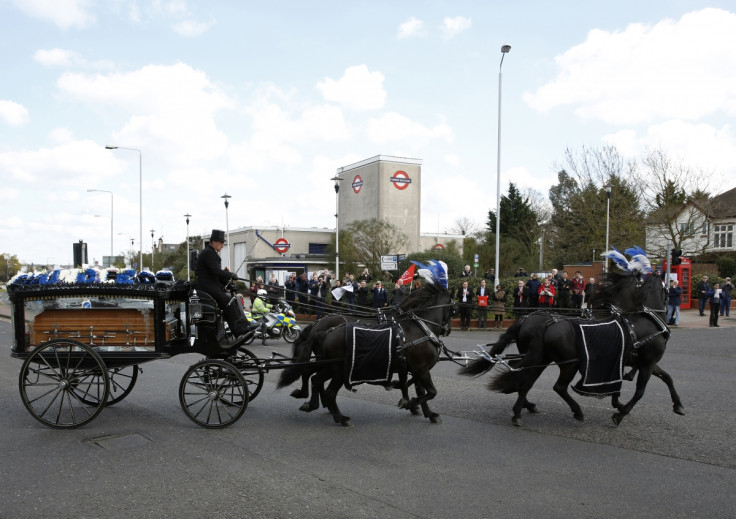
<point>377,158</point>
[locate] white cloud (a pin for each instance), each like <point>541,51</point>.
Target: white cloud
<point>702,146</point>
<point>452,160</point>
<point>67,58</point>
<point>59,166</point>
<point>392,128</point>
<point>637,75</point>
<point>192,28</point>
<point>13,113</point>
<point>172,108</point>
<point>411,28</point>
<point>358,89</point>
<point>63,13</point>
<point>451,27</point>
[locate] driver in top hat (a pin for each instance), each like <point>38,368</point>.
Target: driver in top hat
<point>212,278</point>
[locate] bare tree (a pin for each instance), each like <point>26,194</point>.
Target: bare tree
<point>464,226</point>
<point>676,201</point>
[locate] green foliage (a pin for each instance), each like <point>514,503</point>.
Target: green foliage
<point>727,266</point>
<point>364,242</point>
<point>9,266</point>
<point>520,230</point>
<point>579,203</point>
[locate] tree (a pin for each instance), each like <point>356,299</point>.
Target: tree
<point>668,187</point>
<point>520,229</point>
<point>9,266</point>
<point>364,242</point>
<point>578,222</point>
<point>464,226</point>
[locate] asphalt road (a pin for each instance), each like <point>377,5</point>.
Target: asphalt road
<point>144,458</point>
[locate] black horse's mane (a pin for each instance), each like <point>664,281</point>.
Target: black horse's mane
<point>421,298</point>
<point>613,282</point>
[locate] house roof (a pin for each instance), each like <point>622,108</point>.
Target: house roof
<point>724,205</point>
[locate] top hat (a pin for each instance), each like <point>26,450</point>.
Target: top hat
<point>217,235</point>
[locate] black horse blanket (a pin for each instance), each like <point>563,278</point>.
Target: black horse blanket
<point>371,350</point>
<point>600,346</point>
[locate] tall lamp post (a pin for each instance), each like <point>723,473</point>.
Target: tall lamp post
<point>111,213</point>
<point>607,187</point>
<point>227,227</point>
<point>187,216</point>
<point>337,180</point>
<point>140,198</point>
<point>153,249</point>
<point>504,50</point>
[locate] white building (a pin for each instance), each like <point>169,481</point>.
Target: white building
<point>698,227</point>
<point>381,187</point>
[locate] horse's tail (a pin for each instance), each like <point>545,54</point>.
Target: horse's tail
<point>302,351</point>
<point>511,381</point>
<point>482,364</point>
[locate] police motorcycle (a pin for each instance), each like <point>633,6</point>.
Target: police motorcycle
<point>281,323</point>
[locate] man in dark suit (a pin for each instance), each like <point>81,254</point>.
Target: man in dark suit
<point>211,278</point>
<point>380,296</point>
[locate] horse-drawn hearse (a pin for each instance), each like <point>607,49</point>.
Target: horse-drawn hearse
<point>82,345</point>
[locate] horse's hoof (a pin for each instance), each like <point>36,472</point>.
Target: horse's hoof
<point>298,393</point>
<point>679,409</point>
<point>345,422</point>
<point>617,417</point>
<point>306,407</point>
<point>414,410</point>
<point>403,404</point>
<point>516,421</point>
<point>579,417</point>
<point>628,376</point>
<point>533,409</point>
<point>435,418</point>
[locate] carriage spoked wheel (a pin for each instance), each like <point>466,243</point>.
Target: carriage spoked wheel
<point>63,384</point>
<point>290,334</point>
<point>212,394</point>
<point>247,363</point>
<point>122,380</point>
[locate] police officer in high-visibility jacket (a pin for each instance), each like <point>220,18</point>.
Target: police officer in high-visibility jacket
<point>259,310</point>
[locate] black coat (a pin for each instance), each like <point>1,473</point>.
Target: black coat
<point>210,277</point>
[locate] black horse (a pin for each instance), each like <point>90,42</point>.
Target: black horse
<point>423,316</point>
<point>544,338</point>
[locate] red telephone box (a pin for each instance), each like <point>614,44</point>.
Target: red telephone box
<point>683,273</point>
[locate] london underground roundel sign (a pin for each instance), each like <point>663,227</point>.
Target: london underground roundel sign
<point>281,245</point>
<point>400,180</point>
<point>357,184</point>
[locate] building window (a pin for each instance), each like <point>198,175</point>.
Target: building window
<point>723,236</point>
<point>317,248</point>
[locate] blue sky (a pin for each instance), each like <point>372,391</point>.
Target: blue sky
<point>265,100</point>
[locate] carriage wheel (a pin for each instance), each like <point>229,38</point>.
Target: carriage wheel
<point>64,384</point>
<point>290,334</point>
<point>212,394</point>
<point>122,381</point>
<point>247,363</point>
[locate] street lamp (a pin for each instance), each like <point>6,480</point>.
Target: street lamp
<point>227,227</point>
<point>337,180</point>
<point>187,216</point>
<point>111,215</point>
<point>140,197</point>
<point>153,248</point>
<point>607,187</point>
<point>504,50</point>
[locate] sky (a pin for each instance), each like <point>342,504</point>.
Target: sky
<point>265,100</point>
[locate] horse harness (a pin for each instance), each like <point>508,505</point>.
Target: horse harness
<point>618,313</point>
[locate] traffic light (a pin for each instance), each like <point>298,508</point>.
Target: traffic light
<point>676,257</point>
